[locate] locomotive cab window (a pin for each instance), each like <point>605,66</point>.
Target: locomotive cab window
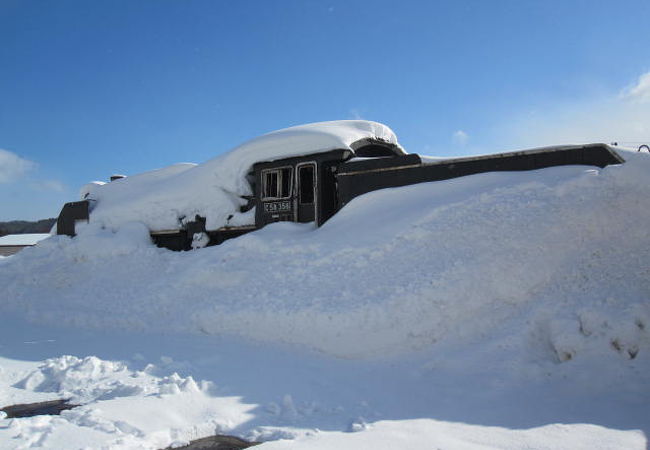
<point>276,183</point>
<point>306,184</point>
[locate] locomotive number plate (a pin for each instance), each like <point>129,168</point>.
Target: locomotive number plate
<point>277,207</point>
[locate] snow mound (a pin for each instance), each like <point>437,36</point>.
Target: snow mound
<point>171,410</point>
<point>552,264</point>
<point>515,299</point>
<point>90,379</point>
<point>162,198</point>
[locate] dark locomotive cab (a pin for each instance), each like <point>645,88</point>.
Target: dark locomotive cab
<point>300,189</point>
<point>304,188</point>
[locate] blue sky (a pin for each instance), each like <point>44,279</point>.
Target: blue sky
<point>91,88</point>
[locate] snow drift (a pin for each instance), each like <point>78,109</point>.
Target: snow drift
<point>500,278</point>
<point>555,261</point>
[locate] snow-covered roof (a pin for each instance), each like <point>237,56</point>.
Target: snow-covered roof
<point>311,138</point>
<point>214,189</point>
<point>22,239</point>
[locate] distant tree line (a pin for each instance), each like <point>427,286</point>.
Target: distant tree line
<point>24,226</point>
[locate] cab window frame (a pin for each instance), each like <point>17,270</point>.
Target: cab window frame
<point>284,179</point>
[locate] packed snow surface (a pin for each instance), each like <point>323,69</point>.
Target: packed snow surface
<point>163,198</point>
<point>500,310</point>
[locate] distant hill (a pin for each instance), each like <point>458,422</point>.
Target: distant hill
<point>24,226</point>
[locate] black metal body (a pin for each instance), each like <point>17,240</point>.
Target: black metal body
<point>291,207</point>
<point>180,240</point>
<point>69,215</point>
<point>313,187</point>
<point>355,179</point>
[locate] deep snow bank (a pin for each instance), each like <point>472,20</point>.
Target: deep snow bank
<point>552,264</point>
<point>525,295</point>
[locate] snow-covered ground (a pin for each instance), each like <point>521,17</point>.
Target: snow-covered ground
<point>502,310</point>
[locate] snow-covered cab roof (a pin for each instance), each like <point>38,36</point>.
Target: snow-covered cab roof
<point>318,137</point>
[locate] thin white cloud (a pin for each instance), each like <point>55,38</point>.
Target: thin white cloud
<point>13,167</point>
<point>639,92</point>
<point>460,137</point>
<point>622,117</point>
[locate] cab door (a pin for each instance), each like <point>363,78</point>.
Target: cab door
<point>306,186</point>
